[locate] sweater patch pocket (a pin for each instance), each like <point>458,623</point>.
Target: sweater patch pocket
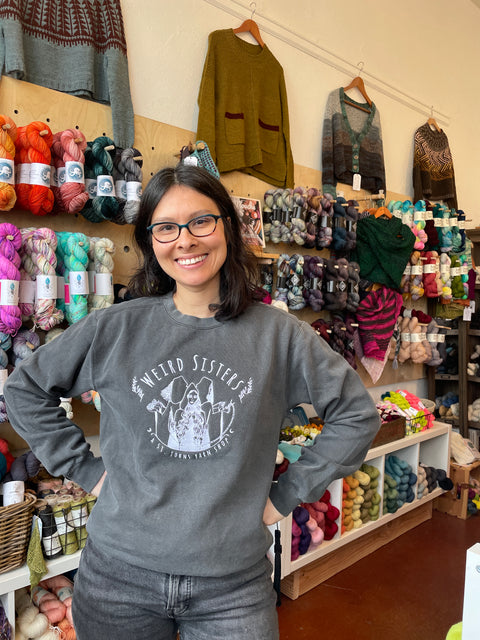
<point>268,136</point>
<point>234,128</point>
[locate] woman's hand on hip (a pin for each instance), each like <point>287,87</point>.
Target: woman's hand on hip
<point>270,514</point>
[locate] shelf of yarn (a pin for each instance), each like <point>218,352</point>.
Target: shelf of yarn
<point>18,578</point>
<point>429,447</point>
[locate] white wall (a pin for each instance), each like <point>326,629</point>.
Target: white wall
<point>418,51</point>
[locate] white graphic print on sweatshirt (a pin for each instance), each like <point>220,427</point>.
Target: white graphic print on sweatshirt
<point>191,404</point>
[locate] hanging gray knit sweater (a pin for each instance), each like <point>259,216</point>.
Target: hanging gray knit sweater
<point>77,47</point>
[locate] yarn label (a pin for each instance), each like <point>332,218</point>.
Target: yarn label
<point>61,176</point>
<point>418,216</point>
<point>26,293</point>
<point>105,186</point>
<point>134,191</point>
<point>78,283</point>
<point>40,174</point>
<point>9,292</point>
<point>91,187</point>
<point>13,492</point>
<point>53,176</point>
<point>22,173</point>
<point>415,337</point>
<point>417,269</point>
<point>46,287</point>
<point>74,172</point>
<point>121,189</point>
<point>405,337</point>
<point>461,224</point>
<point>357,182</point>
<point>455,271</point>
<point>103,284</point>
<point>7,171</point>
<point>464,270</point>
<point>3,377</point>
<point>429,268</point>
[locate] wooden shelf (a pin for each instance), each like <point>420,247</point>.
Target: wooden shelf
<point>446,376</point>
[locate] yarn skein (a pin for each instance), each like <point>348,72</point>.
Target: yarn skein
<point>39,140</point>
<point>8,134</point>
<point>22,169</point>
<point>10,262</point>
<point>75,247</point>
<point>40,245</point>
<point>132,163</point>
<point>72,190</point>
<point>101,252</point>
<point>104,204</point>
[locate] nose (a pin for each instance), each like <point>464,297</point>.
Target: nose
<point>186,239</point>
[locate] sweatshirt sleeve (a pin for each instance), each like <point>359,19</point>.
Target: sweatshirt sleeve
<point>323,378</point>
<point>60,368</point>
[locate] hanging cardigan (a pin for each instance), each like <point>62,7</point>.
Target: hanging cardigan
<point>433,174</point>
<point>77,47</point>
<point>243,111</point>
<point>351,143</point>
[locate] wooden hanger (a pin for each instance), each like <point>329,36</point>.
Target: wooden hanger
<point>432,122</point>
<point>357,83</point>
<point>250,26</point>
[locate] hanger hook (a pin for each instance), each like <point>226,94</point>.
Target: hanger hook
<point>431,111</point>
<point>254,5</point>
<point>360,66</point>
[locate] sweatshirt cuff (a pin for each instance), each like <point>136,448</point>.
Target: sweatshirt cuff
<point>87,473</point>
<point>283,497</point>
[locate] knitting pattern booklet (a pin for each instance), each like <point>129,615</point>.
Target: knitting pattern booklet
<point>250,213</point>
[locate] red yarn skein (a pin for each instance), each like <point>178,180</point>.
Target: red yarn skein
<point>40,138</point>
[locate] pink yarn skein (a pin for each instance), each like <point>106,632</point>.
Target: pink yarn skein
<point>73,145</point>
<point>10,261</point>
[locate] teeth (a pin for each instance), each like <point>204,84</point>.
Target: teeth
<point>190,260</point>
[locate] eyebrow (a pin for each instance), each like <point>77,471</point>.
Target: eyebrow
<point>196,214</point>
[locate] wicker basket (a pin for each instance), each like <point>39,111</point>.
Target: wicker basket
<point>15,529</point>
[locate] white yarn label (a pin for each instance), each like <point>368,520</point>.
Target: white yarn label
<point>7,171</point>
<point>46,287</point>
<point>192,160</point>
<point>3,377</point>
<point>13,492</point>
<point>464,270</point>
<point>91,187</point>
<point>357,182</point>
<point>61,176</point>
<point>441,337</point>
<point>40,174</point>
<point>74,172</point>
<point>417,269</point>
<point>26,293</point>
<point>51,544</point>
<point>134,191</point>
<point>428,215</point>
<point>60,288</point>
<point>417,216</point>
<point>408,270</point>
<point>407,218</point>
<point>444,268</point>
<point>9,292</point>
<point>455,271</point>
<point>407,313</point>
<point>461,224</point>
<point>78,282</point>
<point>405,337</point>
<point>103,284</point>
<point>121,189</point>
<point>429,268</point>
<point>105,186</point>
<point>423,336</point>
<point>22,173</point>
<point>415,337</point>
<point>438,222</point>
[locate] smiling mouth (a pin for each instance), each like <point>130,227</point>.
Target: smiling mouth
<point>189,261</point>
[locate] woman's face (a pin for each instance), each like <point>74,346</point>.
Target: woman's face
<point>194,263</point>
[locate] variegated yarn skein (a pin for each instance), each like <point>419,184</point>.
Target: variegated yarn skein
<point>74,248</point>
<point>102,253</point>
<point>8,135</point>
<point>10,262</point>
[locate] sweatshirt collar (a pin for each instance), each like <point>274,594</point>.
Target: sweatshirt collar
<point>189,321</point>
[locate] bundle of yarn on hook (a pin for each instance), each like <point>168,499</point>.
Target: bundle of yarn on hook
<point>74,249</point>
<point>39,247</point>
<point>73,194</point>
<point>101,254</point>
<point>8,135</point>
<point>105,206</point>
<point>10,262</point>
<point>131,160</point>
<point>39,141</point>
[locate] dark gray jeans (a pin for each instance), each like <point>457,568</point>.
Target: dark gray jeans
<point>116,601</point>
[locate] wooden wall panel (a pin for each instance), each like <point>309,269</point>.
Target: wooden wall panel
<point>158,144</point>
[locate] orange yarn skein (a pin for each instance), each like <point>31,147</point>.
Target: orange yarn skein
<point>22,178</point>
<point>8,134</point>
<point>40,138</point>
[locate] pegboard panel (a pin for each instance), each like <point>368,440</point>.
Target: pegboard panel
<point>158,143</point>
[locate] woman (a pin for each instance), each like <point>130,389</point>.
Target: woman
<point>177,540</point>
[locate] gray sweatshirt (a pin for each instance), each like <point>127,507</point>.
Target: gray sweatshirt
<point>191,414</point>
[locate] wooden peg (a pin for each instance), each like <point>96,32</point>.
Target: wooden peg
<point>43,133</point>
<point>110,147</point>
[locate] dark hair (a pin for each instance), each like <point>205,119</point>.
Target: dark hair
<point>238,274</point>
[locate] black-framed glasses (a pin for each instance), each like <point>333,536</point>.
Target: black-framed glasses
<point>199,227</point>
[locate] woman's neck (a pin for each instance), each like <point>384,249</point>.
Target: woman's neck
<point>195,304</point>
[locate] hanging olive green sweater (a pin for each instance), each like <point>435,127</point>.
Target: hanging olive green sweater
<point>243,112</point>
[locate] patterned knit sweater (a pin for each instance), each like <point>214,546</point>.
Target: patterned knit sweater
<point>243,111</point>
<point>433,174</point>
<point>351,143</point>
<point>77,47</point>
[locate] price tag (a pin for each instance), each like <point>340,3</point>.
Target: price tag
<point>357,182</point>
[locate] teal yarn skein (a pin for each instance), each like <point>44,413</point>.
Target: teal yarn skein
<point>105,206</point>
<point>75,247</point>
